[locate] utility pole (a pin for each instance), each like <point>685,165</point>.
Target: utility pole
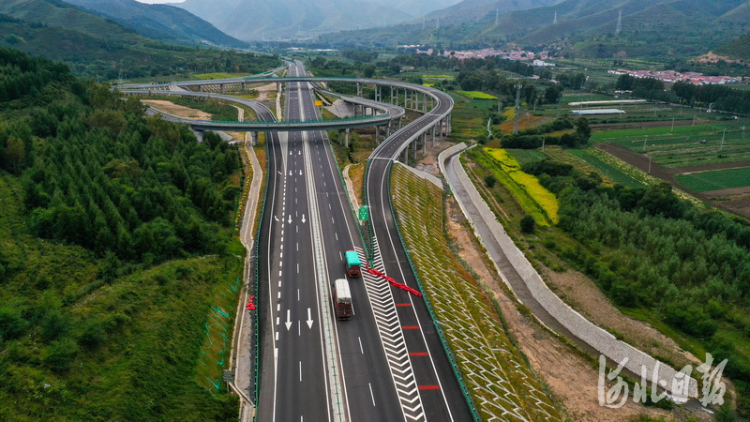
<point>618,28</point>
<point>518,109</point>
<point>721,148</point>
<point>672,131</point>
<point>644,143</point>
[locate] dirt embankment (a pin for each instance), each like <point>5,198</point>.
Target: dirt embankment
<point>177,110</point>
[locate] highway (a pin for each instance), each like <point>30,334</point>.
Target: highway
<point>438,386</point>
<point>386,363</point>
<point>334,370</point>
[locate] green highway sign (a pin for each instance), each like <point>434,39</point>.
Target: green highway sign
<point>364,213</point>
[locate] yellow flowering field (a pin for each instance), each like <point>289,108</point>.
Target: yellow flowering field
<point>545,199</point>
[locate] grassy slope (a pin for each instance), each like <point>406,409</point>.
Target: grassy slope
<point>145,365</point>
<point>495,372</point>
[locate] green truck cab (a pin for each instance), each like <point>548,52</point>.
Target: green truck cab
<point>352,264</point>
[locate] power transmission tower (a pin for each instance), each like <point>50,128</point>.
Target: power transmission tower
<point>497,16</point>
<point>554,22</point>
<point>518,109</point>
<point>618,28</point>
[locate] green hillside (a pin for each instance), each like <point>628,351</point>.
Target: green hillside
<point>116,250</point>
<point>158,21</point>
<point>738,49</point>
<point>100,48</point>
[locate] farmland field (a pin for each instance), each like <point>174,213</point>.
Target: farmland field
<point>685,145</point>
<point>714,180</point>
<point>478,95</point>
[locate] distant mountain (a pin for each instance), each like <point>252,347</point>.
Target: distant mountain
<point>158,21</point>
<point>97,47</point>
<point>660,29</point>
<point>474,10</point>
<point>287,19</point>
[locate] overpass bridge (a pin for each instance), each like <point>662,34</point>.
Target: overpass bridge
<point>401,95</point>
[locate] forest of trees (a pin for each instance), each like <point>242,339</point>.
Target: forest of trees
<point>647,248</point>
<point>98,174</point>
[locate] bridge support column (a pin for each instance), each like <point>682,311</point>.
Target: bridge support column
<point>200,88</point>
<point>433,136</point>
<point>222,88</point>
<point>346,138</point>
<point>392,96</point>
<point>424,102</point>
<point>448,121</point>
<point>416,146</point>
<point>424,143</point>
<point>377,135</point>
<point>359,90</point>
<point>253,138</point>
<point>244,87</point>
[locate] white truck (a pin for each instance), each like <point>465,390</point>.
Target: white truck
<point>342,299</point>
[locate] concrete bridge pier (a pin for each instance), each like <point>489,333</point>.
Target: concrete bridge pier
<point>359,90</point>
<point>392,96</point>
<point>433,135</point>
<point>424,102</point>
<point>346,138</point>
<point>200,88</point>
<point>221,86</point>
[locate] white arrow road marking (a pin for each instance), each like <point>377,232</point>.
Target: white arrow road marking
<point>309,319</point>
<point>300,172</point>
<point>300,152</point>
<point>303,219</point>
<point>290,218</point>
<point>275,217</point>
<point>288,322</point>
<point>290,172</point>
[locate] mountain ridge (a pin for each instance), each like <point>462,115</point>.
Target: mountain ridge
<point>159,21</point>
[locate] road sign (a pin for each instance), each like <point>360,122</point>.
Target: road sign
<point>318,103</point>
<point>364,213</point>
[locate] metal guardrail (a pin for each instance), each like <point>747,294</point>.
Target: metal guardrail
<point>256,393</point>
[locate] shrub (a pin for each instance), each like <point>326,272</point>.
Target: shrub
<point>528,224</point>
<point>61,354</point>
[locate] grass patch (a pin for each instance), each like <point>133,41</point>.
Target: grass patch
<point>714,180</point>
<point>494,370</point>
<point>477,95</point>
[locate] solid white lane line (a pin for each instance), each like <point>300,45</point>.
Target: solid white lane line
<point>372,396</point>
<point>300,371</point>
